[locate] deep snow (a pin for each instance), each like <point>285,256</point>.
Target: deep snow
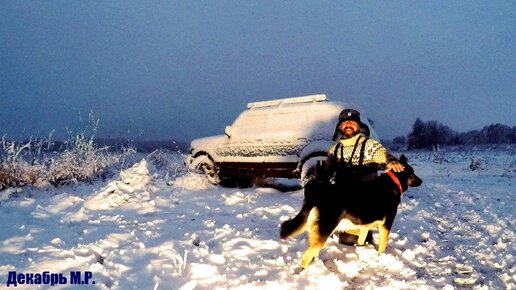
<point>149,229</point>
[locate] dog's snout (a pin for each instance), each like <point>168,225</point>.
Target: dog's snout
<point>414,181</point>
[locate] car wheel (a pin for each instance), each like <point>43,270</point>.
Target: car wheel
<point>206,165</point>
<point>308,171</point>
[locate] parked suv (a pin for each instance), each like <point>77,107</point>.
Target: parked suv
<point>276,138</point>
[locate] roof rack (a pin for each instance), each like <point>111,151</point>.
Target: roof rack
<point>277,102</point>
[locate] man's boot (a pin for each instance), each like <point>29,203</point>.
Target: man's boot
<point>347,239</point>
<point>350,239</point>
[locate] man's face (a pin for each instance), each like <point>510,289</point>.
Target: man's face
<point>349,128</point>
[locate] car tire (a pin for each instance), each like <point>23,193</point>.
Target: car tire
<point>206,165</point>
<point>309,168</point>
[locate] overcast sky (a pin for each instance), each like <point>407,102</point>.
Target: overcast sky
<point>185,69</point>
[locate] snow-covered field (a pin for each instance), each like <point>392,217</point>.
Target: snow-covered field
<point>149,229</point>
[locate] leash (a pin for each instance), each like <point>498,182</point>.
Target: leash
<point>395,179</point>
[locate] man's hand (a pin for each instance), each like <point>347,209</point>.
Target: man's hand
<point>394,166</point>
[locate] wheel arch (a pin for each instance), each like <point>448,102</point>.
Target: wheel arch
<point>307,169</point>
<point>207,154</point>
<point>314,149</point>
<point>203,153</point>
<point>199,153</point>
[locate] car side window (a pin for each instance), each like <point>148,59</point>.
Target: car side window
<point>248,123</point>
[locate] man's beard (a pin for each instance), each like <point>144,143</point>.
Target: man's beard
<point>349,133</point>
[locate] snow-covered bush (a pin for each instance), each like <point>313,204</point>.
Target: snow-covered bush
<point>438,155</point>
<point>171,162</point>
<point>78,160</point>
<point>15,170</point>
<point>476,163</point>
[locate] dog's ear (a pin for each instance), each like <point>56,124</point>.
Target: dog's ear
<point>403,159</point>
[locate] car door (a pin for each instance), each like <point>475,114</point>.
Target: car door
<point>245,143</point>
<point>287,134</point>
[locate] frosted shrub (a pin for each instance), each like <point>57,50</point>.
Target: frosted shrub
<point>82,161</point>
<point>159,158</point>
<point>476,163</point>
<point>9,176</point>
<point>438,155</point>
<point>15,171</point>
<point>171,162</point>
<point>79,160</point>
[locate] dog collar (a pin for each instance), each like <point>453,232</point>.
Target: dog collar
<point>396,180</point>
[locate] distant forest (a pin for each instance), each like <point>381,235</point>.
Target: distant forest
<point>426,135</point>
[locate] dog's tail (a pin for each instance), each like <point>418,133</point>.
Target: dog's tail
<point>296,226</point>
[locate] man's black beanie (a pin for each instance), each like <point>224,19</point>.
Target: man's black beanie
<point>349,115</point>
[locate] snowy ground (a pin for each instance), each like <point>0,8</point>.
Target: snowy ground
<point>147,230</point>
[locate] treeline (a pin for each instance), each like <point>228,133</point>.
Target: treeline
<point>429,134</point>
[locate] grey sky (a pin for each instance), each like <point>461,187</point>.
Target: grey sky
<point>185,69</point>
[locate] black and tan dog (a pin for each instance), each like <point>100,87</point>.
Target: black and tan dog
<point>328,207</point>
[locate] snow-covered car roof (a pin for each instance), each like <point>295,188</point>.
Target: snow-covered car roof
<point>312,117</point>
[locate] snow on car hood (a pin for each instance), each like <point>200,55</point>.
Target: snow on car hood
<point>207,143</point>
<point>252,147</point>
